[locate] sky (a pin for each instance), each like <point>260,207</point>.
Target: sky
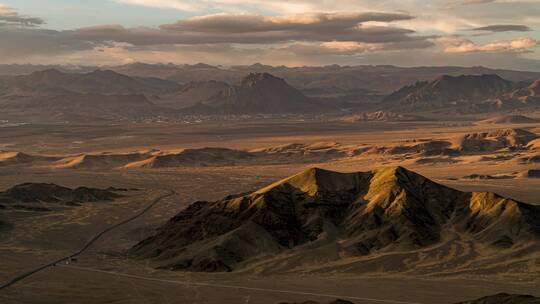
<point>492,33</point>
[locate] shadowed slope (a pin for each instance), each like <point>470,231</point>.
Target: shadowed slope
<point>41,192</point>
<point>104,82</point>
<point>510,119</point>
<point>344,215</point>
<point>258,93</point>
<point>449,91</point>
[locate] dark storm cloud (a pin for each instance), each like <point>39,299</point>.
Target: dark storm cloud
<point>503,28</point>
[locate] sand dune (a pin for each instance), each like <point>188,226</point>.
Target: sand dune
<point>510,119</point>
<point>493,140</point>
<point>489,176</point>
<point>17,158</point>
<point>436,160</point>
<point>531,158</point>
<point>98,161</point>
<point>422,148</point>
<point>193,157</point>
<point>534,144</point>
<point>8,158</point>
<point>289,153</point>
<point>531,173</point>
<point>468,148</point>
<point>304,152</point>
<point>207,156</point>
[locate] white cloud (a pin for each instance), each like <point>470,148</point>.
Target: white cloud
<point>174,4</point>
<point>290,32</point>
<point>291,6</point>
<point>461,45</point>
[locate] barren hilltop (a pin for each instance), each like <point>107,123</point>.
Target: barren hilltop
<point>352,221</point>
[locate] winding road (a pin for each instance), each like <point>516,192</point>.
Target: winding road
<point>88,244</point>
<point>189,283</point>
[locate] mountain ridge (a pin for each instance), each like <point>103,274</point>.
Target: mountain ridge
<point>258,93</point>
<point>360,214</point>
<point>106,82</point>
<point>448,91</point>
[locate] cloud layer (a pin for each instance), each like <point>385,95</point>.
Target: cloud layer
<point>503,28</point>
<point>292,32</point>
<point>460,45</point>
<point>9,17</point>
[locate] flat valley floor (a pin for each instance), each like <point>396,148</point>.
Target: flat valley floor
<point>102,275</point>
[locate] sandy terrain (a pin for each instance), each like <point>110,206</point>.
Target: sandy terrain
<point>35,238</point>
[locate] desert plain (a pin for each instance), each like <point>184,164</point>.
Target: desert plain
<point>282,147</point>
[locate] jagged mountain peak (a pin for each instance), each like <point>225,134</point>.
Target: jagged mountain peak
<point>362,213</point>
<point>51,71</point>
<point>259,93</point>
<point>451,91</point>
<point>313,181</point>
<point>260,78</point>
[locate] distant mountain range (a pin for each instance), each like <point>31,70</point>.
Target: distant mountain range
<point>383,79</point>
<point>258,93</point>
<point>106,82</point>
<point>53,95</point>
<point>449,91</point>
<point>190,94</point>
<point>320,220</point>
<point>75,107</point>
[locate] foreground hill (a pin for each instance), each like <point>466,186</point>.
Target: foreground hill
<point>258,93</point>
<point>449,91</point>
<point>321,220</point>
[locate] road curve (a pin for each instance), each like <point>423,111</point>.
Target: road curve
<point>88,244</point>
